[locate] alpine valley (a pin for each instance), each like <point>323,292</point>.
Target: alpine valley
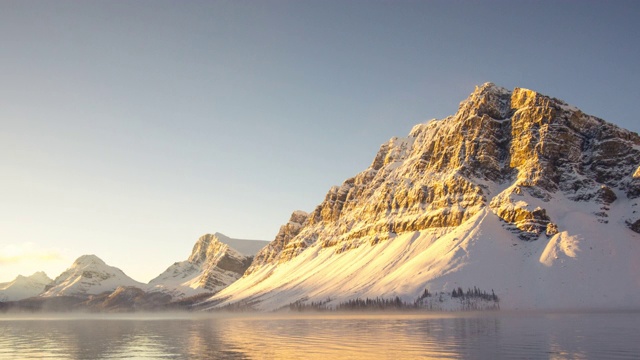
<point>518,201</point>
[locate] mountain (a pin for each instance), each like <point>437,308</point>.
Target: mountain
<point>215,262</point>
<point>88,275</point>
<point>517,195</point>
<point>91,285</point>
<point>23,287</point>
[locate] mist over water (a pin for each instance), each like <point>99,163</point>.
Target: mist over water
<point>320,336</point>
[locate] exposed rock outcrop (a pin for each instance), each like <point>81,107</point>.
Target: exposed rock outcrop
<point>212,265</point>
<point>517,192</point>
<point>510,151</point>
<point>287,232</point>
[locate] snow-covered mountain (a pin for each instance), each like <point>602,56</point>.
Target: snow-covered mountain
<point>23,287</point>
<point>215,262</point>
<point>89,275</point>
<point>517,192</point>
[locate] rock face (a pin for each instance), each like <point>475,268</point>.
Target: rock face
<point>285,235</point>
<point>519,156</point>
<point>213,265</point>
<point>88,275</point>
<point>23,287</point>
<point>448,170</point>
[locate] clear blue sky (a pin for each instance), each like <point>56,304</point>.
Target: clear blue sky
<point>130,128</point>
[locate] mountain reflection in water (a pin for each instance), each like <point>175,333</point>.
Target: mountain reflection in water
<point>320,336</point>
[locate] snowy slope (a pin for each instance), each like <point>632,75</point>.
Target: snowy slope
<point>23,287</point>
<point>215,262</point>
<point>89,275</point>
<point>517,192</point>
<point>568,270</point>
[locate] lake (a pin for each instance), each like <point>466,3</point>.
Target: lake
<point>490,335</point>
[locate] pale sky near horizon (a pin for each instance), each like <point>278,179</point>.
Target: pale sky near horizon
<point>130,128</point>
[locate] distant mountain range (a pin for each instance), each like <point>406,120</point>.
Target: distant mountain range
<point>518,201</point>
<point>91,284</point>
<point>24,286</point>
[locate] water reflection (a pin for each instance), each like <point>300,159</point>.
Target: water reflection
<point>355,337</point>
<point>443,336</point>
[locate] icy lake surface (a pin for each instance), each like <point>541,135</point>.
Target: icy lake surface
<point>320,336</point>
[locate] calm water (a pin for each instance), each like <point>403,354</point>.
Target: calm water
<point>442,336</point>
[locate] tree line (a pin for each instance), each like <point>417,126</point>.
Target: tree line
<point>426,301</point>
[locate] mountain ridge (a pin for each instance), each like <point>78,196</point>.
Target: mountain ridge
<point>213,264</point>
<point>24,286</point>
<point>517,193</point>
<point>88,275</point>
<point>521,159</point>
<point>90,284</point>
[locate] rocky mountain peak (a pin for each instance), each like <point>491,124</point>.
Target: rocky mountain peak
<point>511,172</point>
<point>24,286</point>
<point>39,277</point>
<point>215,262</point>
<point>88,275</point>
<point>487,99</point>
<point>207,245</point>
<point>87,260</point>
<point>499,146</point>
